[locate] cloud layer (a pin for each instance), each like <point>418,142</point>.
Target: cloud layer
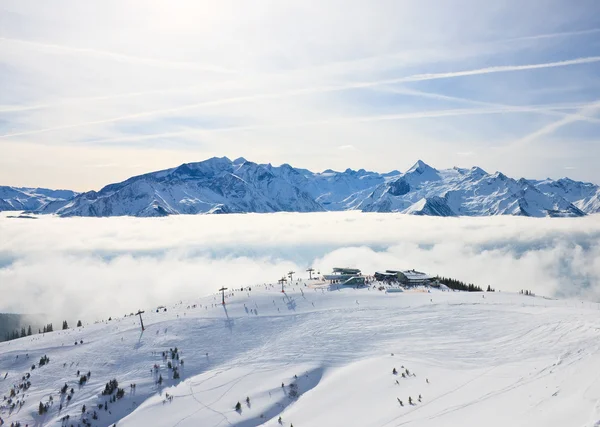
<point>93,268</point>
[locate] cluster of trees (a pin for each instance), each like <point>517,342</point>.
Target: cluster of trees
<point>526,292</point>
<point>25,332</point>
<point>18,334</point>
<point>44,360</point>
<point>110,388</point>
<point>459,285</point>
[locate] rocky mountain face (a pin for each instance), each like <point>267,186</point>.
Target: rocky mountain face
<point>219,185</point>
<point>29,199</point>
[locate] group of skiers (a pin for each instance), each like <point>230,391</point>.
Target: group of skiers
<point>406,374</point>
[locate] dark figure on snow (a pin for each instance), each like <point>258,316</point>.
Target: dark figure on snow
<point>394,371</point>
<point>410,402</point>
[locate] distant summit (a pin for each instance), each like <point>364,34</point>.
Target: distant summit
<point>220,185</point>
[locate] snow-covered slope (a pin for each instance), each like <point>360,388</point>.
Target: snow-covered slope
<point>319,357</point>
<point>424,190</point>
<point>219,185</point>
<point>216,185</point>
<point>584,195</point>
<point>22,199</point>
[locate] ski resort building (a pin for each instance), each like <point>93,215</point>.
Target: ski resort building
<point>406,277</point>
<point>413,277</point>
<point>342,274</point>
<point>386,276</point>
<point>346,276</point>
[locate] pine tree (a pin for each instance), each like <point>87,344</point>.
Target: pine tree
<point>79,324</point>
<point>65,325</point>
<point>29,330</point>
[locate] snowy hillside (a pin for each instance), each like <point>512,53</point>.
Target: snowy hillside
<point>219,185</point>
<point>424,190</point>
<point>318,357</point>
<point>24,199</point>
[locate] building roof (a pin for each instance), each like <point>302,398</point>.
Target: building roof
<point>344,270</point>
<point>416,275</point>
<point>386,273</point>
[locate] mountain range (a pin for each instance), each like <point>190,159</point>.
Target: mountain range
<point>219,185</point>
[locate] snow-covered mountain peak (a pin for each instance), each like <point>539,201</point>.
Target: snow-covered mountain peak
<point>218,185</point>
<point>420,167</point>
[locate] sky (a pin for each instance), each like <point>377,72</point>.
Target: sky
<point>95,92</point>
<point>56,265</point>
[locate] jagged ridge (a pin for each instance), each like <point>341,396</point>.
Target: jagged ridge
<point>219,185</point>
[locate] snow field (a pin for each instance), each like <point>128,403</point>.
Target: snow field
<point>491,359</point>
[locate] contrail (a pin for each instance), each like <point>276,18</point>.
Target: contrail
<point>342,120</point>
<point>186,65</point>
<point>322,89</point>
<point>123,57</point>
<point>553,35</point>
<point>568,119</point>
<point>548,111</point>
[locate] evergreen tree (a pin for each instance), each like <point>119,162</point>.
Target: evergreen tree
<point>65,325</point>
<point>29,330</point>
<point>79,324</point>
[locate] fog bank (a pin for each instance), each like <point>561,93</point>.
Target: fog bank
<point>97,267</point>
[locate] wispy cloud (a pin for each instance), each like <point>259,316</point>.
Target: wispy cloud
<point>309,90</point>
<point>153,62</point>
<point>580,114</point>
<point>202,78</point>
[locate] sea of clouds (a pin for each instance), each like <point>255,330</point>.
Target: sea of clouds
<point>96,267</point>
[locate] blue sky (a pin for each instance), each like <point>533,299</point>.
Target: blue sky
<point>94,92</point>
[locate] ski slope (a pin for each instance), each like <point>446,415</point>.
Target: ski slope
<point>493,359</point>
